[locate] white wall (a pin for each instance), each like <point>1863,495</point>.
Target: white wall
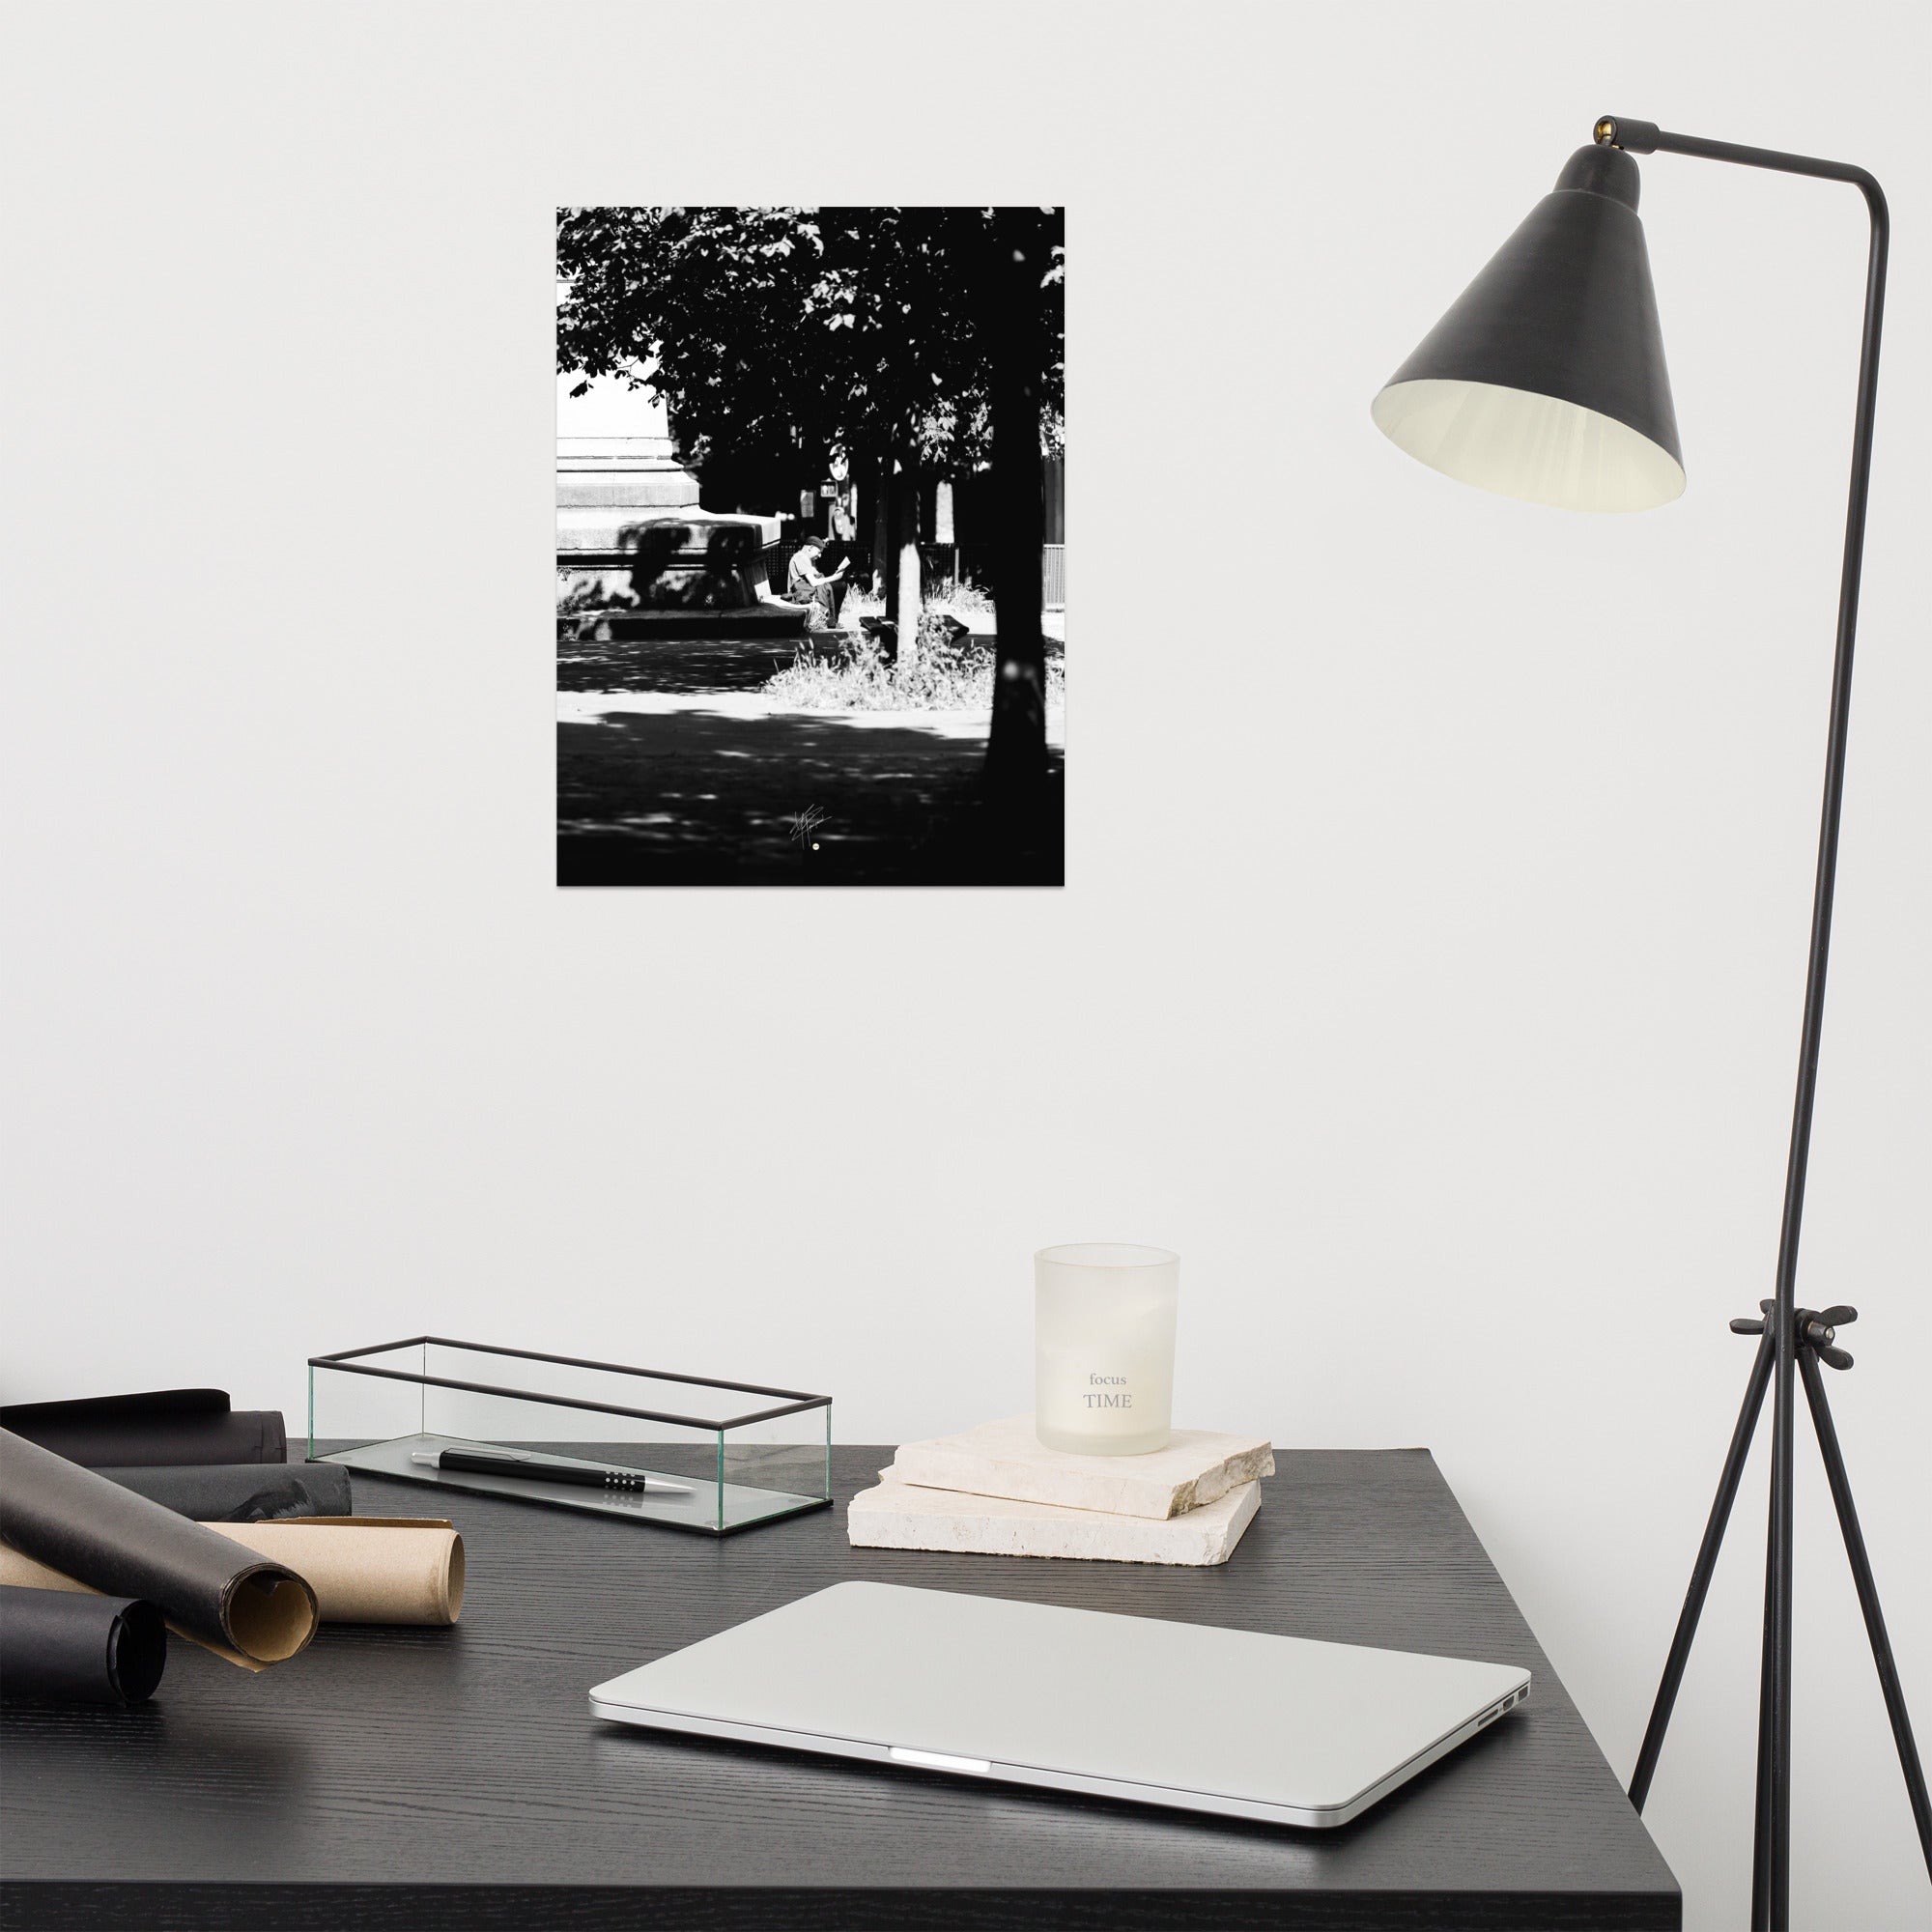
<point>1430,970</point>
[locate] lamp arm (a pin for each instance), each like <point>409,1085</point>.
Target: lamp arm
<point>1771,1905</point>
<point>1646,137</point>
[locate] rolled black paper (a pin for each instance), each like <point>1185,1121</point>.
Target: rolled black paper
<point>242,1492</point>
<point>208,1587</point>
<point>80,1648</point>
<point>162,1426</point>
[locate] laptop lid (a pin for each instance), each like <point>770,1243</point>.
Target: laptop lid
<point>1233,1722</point>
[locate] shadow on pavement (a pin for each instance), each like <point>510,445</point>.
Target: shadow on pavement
<point>695,797</point>
<point>681,664</point>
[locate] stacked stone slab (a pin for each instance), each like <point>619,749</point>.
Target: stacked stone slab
<point>996,1490</point>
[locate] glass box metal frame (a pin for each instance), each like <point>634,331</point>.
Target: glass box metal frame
<point>595,1436</point>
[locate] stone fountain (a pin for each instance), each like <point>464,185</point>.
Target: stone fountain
<point>635,553</point>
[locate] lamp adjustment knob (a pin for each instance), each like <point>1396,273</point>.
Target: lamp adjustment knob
<point>1619,131</point>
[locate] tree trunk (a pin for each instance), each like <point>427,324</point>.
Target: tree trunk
<point>1016,744</point>
<point>881,487</point>
<point>907,574</point>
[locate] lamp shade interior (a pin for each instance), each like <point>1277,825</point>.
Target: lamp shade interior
<point>1546,380</point>
<point>1519,443</point>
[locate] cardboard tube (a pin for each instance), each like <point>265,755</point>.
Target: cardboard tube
<point>18,1572</point>
<point>363,1569</point>
<point>89,1533</point>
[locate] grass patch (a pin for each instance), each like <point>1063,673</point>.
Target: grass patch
<point>950,676</point>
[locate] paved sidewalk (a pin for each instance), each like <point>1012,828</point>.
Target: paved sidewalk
<point>731,788</point>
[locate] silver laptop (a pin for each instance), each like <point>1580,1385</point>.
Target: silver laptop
<point>1279,1728</point>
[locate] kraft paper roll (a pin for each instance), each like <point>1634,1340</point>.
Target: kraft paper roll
<point>89,1533</point>
<point>75,1649</point>
<point>242,1492</point>
<point>367,1570</point>
<point>158,1426</point>
<point>363,1570</point>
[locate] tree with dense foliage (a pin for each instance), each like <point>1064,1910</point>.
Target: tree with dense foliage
<point>909,340</point>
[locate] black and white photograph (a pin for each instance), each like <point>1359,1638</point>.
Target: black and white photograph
<point>811,545</point>
<point>657,1277</point>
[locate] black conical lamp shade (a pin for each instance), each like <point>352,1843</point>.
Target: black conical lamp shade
<point>1546,380</point>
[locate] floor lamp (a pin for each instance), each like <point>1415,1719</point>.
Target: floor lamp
<point>1546,380</point>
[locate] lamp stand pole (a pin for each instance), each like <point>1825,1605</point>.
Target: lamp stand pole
<point>1794,1339</point>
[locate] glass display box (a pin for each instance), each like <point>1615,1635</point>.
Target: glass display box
<point>683,1452</point>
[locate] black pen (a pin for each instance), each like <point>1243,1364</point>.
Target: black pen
<point>532,1468</point>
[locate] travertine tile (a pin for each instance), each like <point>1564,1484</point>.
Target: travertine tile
<point>902,1515</point>
<point>1005,1459</point>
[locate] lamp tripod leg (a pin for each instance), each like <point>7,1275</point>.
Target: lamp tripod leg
<point>1702,1571</point>
<point>1868,1588</point>
<point>1811,1336</point>
<point>1762,1826</point>
<point>1779,1568</point>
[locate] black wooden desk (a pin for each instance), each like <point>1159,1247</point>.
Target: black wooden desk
<point>421,1779</point>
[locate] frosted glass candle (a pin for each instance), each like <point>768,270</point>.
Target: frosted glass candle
<point>1104,1347</point>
